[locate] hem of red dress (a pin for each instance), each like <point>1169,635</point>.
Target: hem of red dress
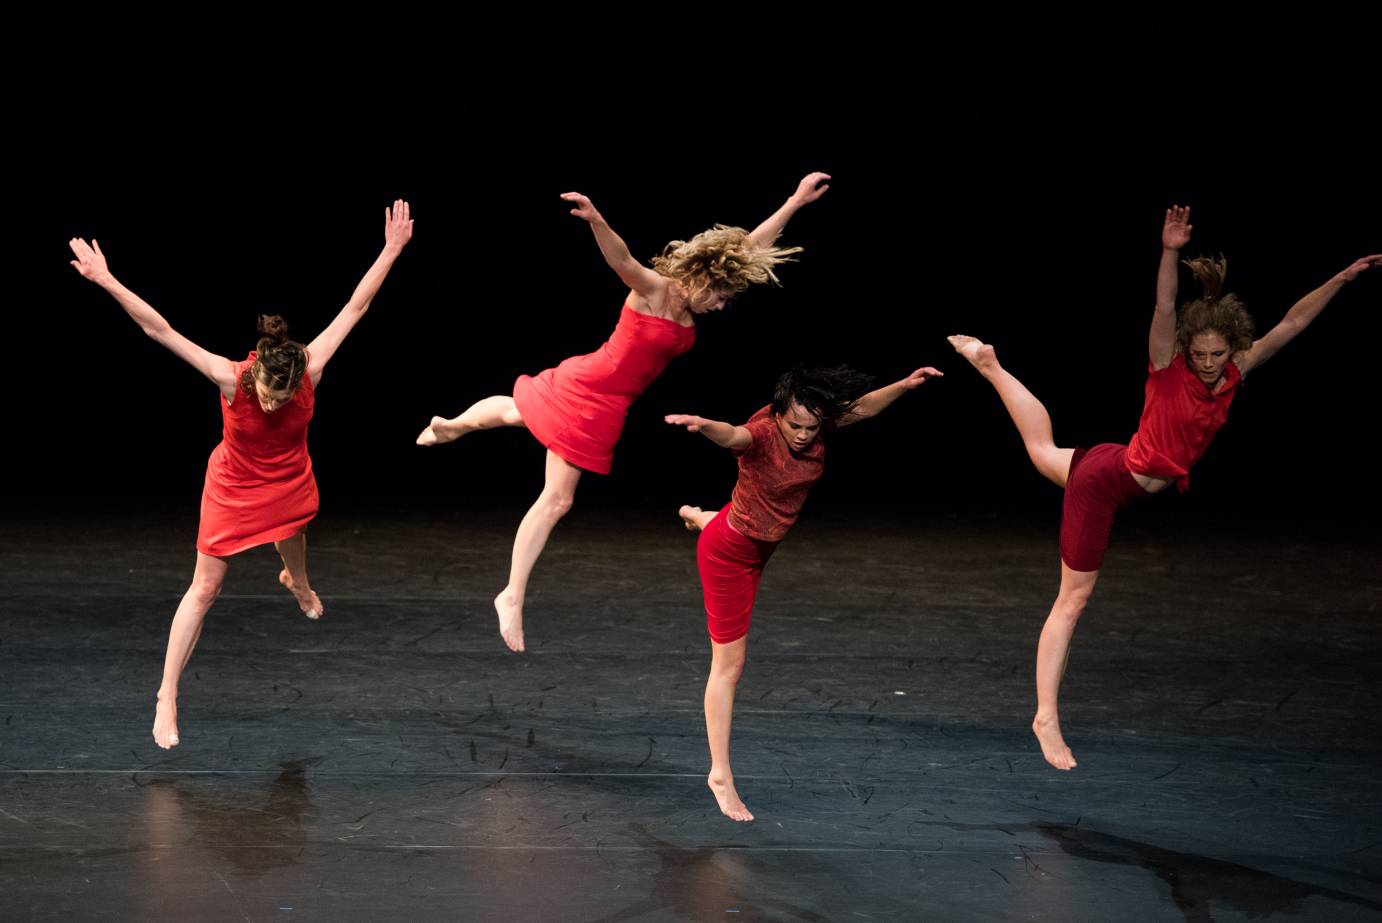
<point>262,538</point>
<point>549,440</point>
<point>584,462</point>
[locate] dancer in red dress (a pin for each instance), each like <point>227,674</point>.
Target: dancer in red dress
<point>259,485</point>
<point>577,409</point>
<point>1196,360</point>
<point>781,455</point>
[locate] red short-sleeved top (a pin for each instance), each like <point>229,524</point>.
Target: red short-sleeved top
<point>1179,419</point>
<point>773,480</point>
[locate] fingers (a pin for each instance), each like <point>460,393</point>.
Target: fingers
<point>583,209</point>
<point>813,186</point>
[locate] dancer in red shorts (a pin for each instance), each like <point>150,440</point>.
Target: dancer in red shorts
<point>1197,359</point>
<point>577,409</point>
<point>259,483</point>
<point>780,455</point>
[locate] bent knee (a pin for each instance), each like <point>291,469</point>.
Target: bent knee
<point>1072,605</point>
<point>204,592</point>
<point>558,505</point>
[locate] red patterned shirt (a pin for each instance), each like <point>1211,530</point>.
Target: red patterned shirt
<point>773,480</point>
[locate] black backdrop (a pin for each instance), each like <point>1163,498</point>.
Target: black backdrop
<point>1016,195</point>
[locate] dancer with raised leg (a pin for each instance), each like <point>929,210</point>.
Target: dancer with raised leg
<point>1196,359</point>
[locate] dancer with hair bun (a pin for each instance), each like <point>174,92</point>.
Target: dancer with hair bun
<point>259,485</point>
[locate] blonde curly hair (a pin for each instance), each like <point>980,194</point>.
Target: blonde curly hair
<point>724,258</point>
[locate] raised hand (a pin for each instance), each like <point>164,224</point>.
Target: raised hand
<point>90,261</point>
<point>584,207</point>
<point>1359,266</point>
<point>811,188</point>
<point>398,224</point>
<point>1175,233</point>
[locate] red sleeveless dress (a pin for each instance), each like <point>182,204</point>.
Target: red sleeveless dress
<point>259,484</point>
<point>577,409</point>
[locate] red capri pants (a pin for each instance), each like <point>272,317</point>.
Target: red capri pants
<point>1099,485</point>
<point>731,564</point>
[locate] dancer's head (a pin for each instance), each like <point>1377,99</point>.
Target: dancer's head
<point>718,264</point>
<point>808,402</point>
<point>279,364</point>
<point>1210,329</point>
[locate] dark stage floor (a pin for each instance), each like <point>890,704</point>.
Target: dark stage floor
<point>395,761</point>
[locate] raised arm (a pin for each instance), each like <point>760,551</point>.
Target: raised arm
<point>1302,313</point>
<point>725,435</point>
<point>612,247</point>
<point>811,188</point>
<point>876,401</point>
<point>91,263</point>
<point>1175,234</point>
<point>398,230</point>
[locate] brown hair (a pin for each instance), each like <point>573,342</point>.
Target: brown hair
<point>1213,312</point>
<point>279,362</point>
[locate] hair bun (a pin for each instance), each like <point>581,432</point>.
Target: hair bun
<point>273,328</point>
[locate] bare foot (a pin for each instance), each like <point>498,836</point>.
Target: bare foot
<point>725,794</point>
<point>166,724</point>
<point>690,516</point>
<point>440,430</point>
<point>1053,746</point>
<point>308,601</point>
<point>510,619</point>
<point>979,354</point>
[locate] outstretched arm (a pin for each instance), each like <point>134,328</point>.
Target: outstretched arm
<point>811,188</point>
<point>1302,313</point>
<point>875,402</point>
<point>1175,234</point>
<point>612,247</point>
<point>726,435</point>
<point>91,263</point>
<point>398,230</point>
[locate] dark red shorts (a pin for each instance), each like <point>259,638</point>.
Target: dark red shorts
<point>731,565</point>
<point>1099,485</point>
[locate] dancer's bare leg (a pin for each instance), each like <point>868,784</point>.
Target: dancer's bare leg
<point>293,551</point>
<point>1030,416</point>
<point>726,666</point>
<point>182,638</point>
<point>499,410</point>
<point>558,494</point>
<point>695,518</point>
<point>1053,651</point>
